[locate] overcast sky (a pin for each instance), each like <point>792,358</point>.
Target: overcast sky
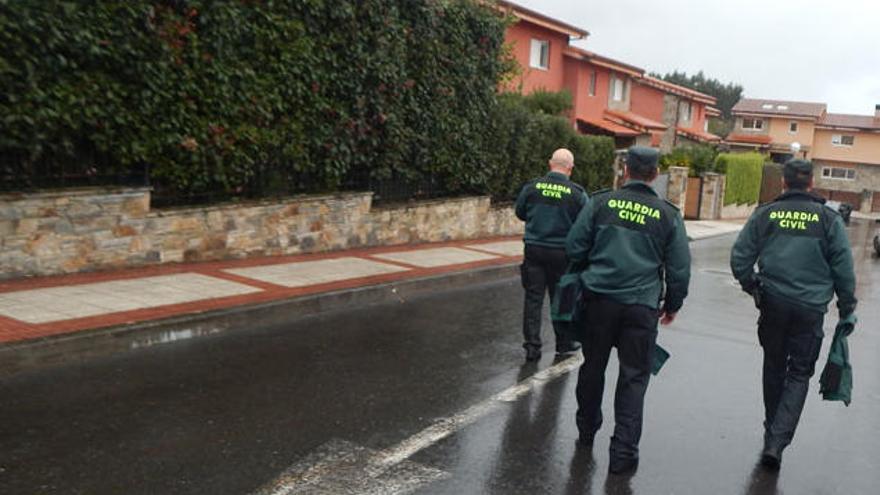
<point>825,51</point>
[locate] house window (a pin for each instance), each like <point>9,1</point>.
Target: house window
<point>618,89</point>
<point>792,127</point>
<point>540,55</point>
<point>706,125</point>
<point>839,173</point>
<point>593,83</point>
<point>843,139</point>
<point>685,115</point>
<point>767,106</point>
<point>753,124</point>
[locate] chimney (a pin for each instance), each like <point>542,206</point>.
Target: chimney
<point>877,111</point>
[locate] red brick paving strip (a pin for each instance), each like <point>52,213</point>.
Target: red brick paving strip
<point>13,330</point>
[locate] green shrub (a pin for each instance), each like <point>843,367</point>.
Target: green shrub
<point>226,96</point>
<point>549,102</point>
<point>698,159</point>
<point>521,141</point>
<point>744,173</point>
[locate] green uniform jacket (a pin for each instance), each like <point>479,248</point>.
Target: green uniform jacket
<point>625,241</point>
<point>549,206</point>
<point>802,252</point>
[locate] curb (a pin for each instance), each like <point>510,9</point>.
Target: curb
<point>82,346</point>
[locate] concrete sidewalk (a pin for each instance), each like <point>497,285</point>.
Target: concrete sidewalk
<point>43,311</point>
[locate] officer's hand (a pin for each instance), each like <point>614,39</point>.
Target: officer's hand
<point>666,317</point>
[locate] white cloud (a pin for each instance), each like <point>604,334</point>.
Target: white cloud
<point>810,50</point>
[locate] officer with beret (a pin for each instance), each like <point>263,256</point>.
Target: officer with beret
<point>549,205</point>
<point>803,258</point>
<point>631,243</point>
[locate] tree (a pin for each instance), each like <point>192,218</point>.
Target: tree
<point>727,95</point>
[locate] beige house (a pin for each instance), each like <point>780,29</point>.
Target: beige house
<point>845,148</point>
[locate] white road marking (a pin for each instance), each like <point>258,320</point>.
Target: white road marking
<point>343,467</point>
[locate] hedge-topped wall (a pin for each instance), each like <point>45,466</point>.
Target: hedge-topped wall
<point>216,95</point>
<point>744,174</point>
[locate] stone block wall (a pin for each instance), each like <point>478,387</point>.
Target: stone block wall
<point>713,196</point>
<point>87,230</point>
<point>676,192</point>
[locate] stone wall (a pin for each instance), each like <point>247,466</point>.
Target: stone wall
<point>676,192</point>
<point>712,199</point>
<point>737,211</point>
<point>86,230</point>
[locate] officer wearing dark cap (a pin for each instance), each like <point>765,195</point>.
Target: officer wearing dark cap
<point>549,205</point>
<point>803,258</point>
<point>631,243</point>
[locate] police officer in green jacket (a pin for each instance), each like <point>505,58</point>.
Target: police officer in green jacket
<point>631,245</point>
<point>803,258</point>
<point>549,205</point>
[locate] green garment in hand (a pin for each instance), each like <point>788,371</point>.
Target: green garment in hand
<point>836,380</point>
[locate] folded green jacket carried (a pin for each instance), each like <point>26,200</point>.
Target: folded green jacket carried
<point>660,357</point>
<point>836,381</point>
<point>566,305</point>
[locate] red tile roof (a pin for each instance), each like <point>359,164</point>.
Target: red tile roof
<point>607,125</point>
<point>749,138</point>
<point>697,135</point>
<point>780,107</point>
<point>542,20</point>
<point>602,61</point>
<point>867,122</point>
<point>679,90</point>
<point>633,119</point>
<point>713,112</point>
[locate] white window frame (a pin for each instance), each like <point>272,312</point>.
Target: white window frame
<point>686,113</point>
<point>706,125</point>
<point>794,124</point>
<point>618,83</point>
<point>539,54</point>
<point>757,124</point>
<point>591,85</point>
<point>837,140</point>
<point>849,174</point>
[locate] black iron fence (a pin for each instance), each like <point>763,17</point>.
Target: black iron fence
<point>20,174</point>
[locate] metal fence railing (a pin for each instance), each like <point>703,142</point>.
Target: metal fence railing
<point>20,174</point>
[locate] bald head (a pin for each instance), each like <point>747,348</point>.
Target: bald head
<point>562,161</point>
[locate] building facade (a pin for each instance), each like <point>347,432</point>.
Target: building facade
<point>609,97</point>
<point>844,148</point>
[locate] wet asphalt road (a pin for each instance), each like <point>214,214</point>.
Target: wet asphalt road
<point>228,413</point>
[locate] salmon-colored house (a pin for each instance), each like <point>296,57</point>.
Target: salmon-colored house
<point>609,97</point>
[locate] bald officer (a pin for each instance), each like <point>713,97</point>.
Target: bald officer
<point>549,206</point>
<point>804,258</point>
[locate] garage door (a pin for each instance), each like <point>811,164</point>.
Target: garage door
<point>853,198</point>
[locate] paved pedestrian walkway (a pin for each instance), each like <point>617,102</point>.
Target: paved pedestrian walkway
<point>43,307</point>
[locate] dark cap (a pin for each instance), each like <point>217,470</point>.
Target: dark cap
<point>797,169</point>
<point>642,159</point>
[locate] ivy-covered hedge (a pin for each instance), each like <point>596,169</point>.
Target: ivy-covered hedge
<point>744,174</point>
<point>215,95</point>
<point>253,97</point>
<point>522,136</point>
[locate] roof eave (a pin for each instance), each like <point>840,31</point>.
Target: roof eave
<point>542,20</point>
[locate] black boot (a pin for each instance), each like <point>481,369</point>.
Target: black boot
<point>771,456</point>
<point>532,353</point>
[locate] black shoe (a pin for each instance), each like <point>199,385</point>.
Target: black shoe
<point>532,354</point>
<point>623,465</point>
<point>567,350</point>
<point>771,458</point>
